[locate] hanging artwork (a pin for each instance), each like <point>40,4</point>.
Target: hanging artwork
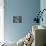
<point>17,19</point>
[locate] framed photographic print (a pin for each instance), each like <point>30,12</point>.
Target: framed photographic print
<point>17,19</point>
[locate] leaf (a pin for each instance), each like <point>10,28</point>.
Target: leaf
<point>34,19</point>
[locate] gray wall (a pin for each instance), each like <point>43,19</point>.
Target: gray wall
<point>24,8</point>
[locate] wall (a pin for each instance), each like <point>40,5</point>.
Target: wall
<point>24,8</point>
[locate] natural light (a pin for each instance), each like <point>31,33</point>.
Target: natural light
<point>1,20</point>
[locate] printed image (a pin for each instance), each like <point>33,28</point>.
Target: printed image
<point>17,19</point>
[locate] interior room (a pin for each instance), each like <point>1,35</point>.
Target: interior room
<point>22,22</point>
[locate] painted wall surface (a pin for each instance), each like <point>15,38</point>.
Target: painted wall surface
<point>24,8</point>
